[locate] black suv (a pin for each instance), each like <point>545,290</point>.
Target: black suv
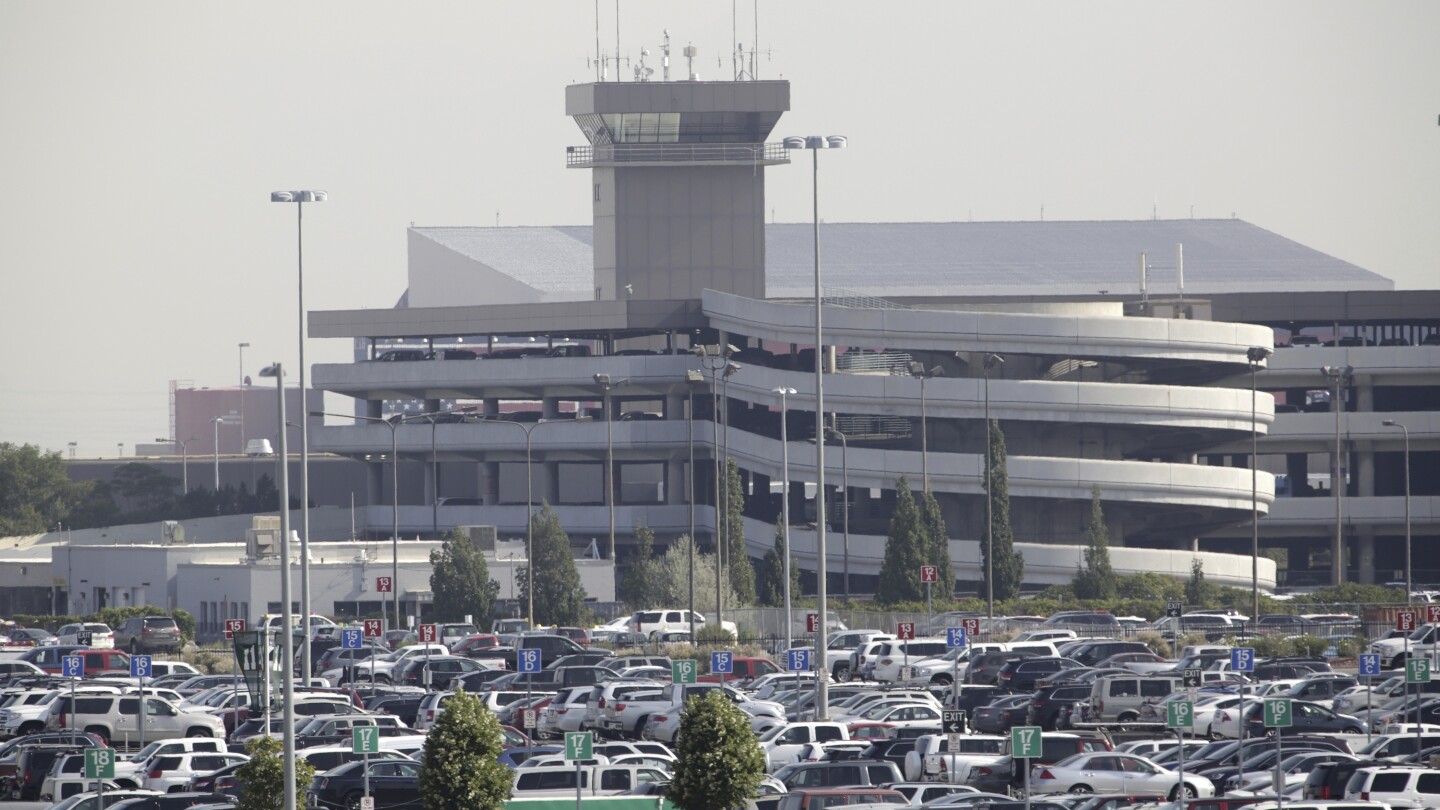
<point>1097,651</point>
<point>1020,674</point>
<point>985,668</point>
<point>1047,703</point>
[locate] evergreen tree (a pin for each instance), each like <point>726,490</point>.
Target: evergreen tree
<point>739,570</point>
<point>559,597</point>
<point>905,551</point>
<point>460,581</point>
<point>642,586</point>
<point>937,552</point>
<point>462,751</point>
<point>718,765</point>
<point>1009,565</point>
<point>1195,587</point>
<point>263,777</point>
<point>1097,579</point>
<point>770,574</point>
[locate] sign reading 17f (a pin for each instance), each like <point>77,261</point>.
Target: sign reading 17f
<point>1025,742</point>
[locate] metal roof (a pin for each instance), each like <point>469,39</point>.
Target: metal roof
<point>940,259</point>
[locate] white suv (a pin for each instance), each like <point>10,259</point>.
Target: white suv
<point>1395,786</point>
<point>114,717</point>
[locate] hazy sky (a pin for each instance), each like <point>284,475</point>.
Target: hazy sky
<point>140,142</point>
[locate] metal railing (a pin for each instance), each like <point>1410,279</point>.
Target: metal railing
<point>763,154</point>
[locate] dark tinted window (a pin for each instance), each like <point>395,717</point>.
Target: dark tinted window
<point>161,622</point>
<point>1389,781</point>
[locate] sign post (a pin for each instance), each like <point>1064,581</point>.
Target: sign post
<point>1417,671</point>
<point>429,634</point>
<point>99,765</point>
<point>365,740</point>
<point>72,667</point>
<point>1242,660</point>
<point>722,663</point>
<point>798,661</point>
<point>140,669</point>
<point>1369,668</point>
<point>972,627</point>
<point>373,629</point>
<point>1026,743</point>
<point>579,746</point>
<point>234,627</point>
<point>527,660</point>
<point>905,631</point>
<point>929,574</point>
<point>952,722</point>
<point>956,639</point>
<point>1180,715</point>
<point>684,670</point>
<point>1278,715</point>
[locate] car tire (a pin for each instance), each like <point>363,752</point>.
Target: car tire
<point>352,800</point>
<point>198,731</point>
<point>842,673</point>
<point>1190,792</point>
<point>1081,789</point>
<point>1127,717</point>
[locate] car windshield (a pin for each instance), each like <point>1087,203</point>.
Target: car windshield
<point>98,628</point>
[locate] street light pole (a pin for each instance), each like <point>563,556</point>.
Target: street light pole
<point>217,420</point>
<point>1256,355</point>
<point>1409,581</point>
<point>605,383</point>
<point>300,198</point>
<point>713,358</point>
<point>692,378</point>
<point>919,372</point>
<point>241,380</point>
<point>184,461</point>
<point>1338,375</point>
<point>990,361</point>
<point>287,649</point>
<point>785,510</point>
<point>815,143</point>
<point>727,559</point>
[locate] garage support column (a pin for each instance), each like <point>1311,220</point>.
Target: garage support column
<point>1365,555</point>
<point>675,491</point>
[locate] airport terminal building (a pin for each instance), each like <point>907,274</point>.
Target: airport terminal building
<point>1117,355</point>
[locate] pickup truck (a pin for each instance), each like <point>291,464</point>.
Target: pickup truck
<point>782,743</point>
<point>746,670</point>
<point>1424,643</point>
<point>631,714</point>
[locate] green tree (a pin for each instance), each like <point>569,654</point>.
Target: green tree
<point>462,767</point>
<point>35,492</point>
<point>1097,579</point>
<point>770,574</point>
<point>1008,565</point>
<point>263,777</point>
<point>460,581</point>
<point>905,551</point>
<point>1195,587</point>
<point>147,492</point>
<point>937,542</point>
<point>559,597</point>
<point>718,765</point>
<point>739,570</point>
<point>642,586</point>
<point>675,573</point>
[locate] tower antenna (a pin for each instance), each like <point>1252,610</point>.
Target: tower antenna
<point>665,57</point>
<point>617,40</point>
<point>599,60</point>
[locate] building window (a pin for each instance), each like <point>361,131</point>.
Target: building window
<point>597,192</point>
<point>204,619</point>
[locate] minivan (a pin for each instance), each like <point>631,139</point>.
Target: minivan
<point>1118,698</point>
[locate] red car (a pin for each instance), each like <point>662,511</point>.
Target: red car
<point>579,635</point>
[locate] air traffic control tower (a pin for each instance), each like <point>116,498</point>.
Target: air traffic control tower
<point>678,171</point>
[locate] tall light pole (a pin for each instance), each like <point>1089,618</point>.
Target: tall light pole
<point>1409,583</point>
<point>919,372</point>
<point>845,485</point>
<point>725,561</point>
<point>785,510</point>
<point>714,357</point>
<point>990,361</point>
<point>394,423</point>
<point>693,379</point>
<point>299,198</point>
<point>605,383</point>
<point>184,461</point>
<point>815,143</point>
<point>243,347</point>
<point>287,650</point>
<point>1256,355</point>
<point>1338,375</point>
<point>217,420</point>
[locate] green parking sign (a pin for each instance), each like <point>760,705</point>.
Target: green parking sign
<point>1025,742</point>
<point>365,740</point>
<point>1277,713</point>
<point>1180,714</point>
<point>99,763</point>
<point>683,671</point>
<point>579,745</point>
<point>1417,670</point>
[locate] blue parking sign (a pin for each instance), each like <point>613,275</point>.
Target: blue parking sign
<point>1369,664</point>
<point>527,660</point>
<point>722,662</point>
<point>140,666</point>
<point>797,660</point>
<point>72,666</point>
<point>955,637</point>
<point>1242,659</point>
<point>351,639</point>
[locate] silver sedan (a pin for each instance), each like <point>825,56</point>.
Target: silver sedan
<point>1109,772</point>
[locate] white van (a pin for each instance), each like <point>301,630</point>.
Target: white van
<point>1118,698</point>
<point>1410,786</point>
<point>595,780</point>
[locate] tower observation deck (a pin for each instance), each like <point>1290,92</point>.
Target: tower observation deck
<point>678,183</point>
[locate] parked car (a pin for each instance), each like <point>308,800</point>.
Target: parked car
<point>148,634</point>
<point>393,784</point>
<point>101,636</point>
